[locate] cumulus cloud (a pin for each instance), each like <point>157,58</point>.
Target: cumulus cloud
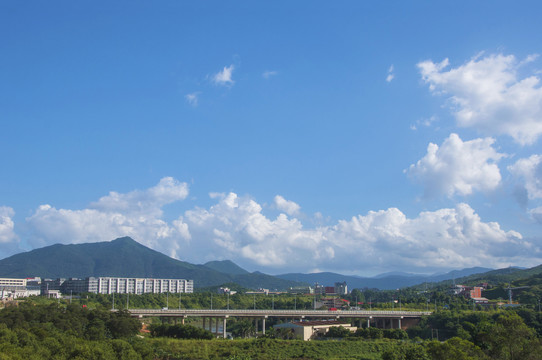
<point>454,237</point>
<point>458,167</point>
<point>7,226</point>
<point>289,207</point>
<point>487,94</point>
<point>390,76</point>
<point>136,214</point>
<point>235,227</point>
<point>224,77</point>
<point>192,98</point>
<point>529,170</point>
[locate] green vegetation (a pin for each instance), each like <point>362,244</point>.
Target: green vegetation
<point>40,328</point>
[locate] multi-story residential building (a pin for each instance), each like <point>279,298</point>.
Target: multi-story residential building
<point>109,285</point>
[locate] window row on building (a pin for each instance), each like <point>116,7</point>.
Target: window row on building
<point>110,285</point>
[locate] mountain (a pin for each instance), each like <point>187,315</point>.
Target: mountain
<point>387,281</point>
<point>226,267</point>
<point>506,275</point>
<point>125,257</point>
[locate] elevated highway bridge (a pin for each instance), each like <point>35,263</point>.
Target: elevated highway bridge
<point>381,319</point>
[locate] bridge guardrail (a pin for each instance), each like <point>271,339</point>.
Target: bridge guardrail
<point>258,312</point>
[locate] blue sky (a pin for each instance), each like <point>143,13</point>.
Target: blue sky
<point>354,137</point>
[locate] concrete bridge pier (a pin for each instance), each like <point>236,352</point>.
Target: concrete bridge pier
<point>224,326</point>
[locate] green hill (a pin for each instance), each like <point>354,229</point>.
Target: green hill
<point>124,257</point>
<point>226,267</point>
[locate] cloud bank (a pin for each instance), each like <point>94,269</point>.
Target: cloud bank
<point>238,228</point>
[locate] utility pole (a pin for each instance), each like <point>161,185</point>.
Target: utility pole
<point>211,301</point>
<point>273,302</point>
<point>180,300</point>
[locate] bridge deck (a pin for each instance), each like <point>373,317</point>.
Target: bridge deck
<point>278,313</point>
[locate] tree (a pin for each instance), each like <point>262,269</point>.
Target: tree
<point>123,325</point>
<point>509,338</point>
<point>242,328</point>
<point>337,332</point>
<point>454,349</point>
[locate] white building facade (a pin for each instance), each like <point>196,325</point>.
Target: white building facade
<point>109,285</point>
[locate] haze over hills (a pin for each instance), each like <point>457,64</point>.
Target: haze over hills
<point>125,257</point>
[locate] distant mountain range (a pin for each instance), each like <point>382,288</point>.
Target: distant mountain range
<point>386,281</point>
<point>124,257</point>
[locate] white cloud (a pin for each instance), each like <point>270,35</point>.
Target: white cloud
<point>7,226</point>
<point>458,167</point>
<point>536,214</point>
<point>192,98</point>
<point>224,77</point>
<point>486,94</point>
<point>424,122</point>
<point>137,214</point>
<point>268,73</point>
<point>289,207</point>
<point>235,228</point>
<point>390,76</point>
<point>150,201</point>
<point>530,171</point>
<point>448,237</point>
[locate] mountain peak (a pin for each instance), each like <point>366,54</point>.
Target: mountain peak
<point>125,257</point>
<point>225,267</point>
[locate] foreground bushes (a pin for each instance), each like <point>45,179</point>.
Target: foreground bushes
<point>180,332</point>
<point>60,332</point>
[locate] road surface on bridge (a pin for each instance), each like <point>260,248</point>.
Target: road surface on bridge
<point>278,313</point>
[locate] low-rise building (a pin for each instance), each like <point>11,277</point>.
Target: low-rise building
<point>11,288</point>
<point>301,290</point>
<point>311,329</point>
<point>330,303</point>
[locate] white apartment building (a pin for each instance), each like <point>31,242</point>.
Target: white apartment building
<point>109,285</point>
